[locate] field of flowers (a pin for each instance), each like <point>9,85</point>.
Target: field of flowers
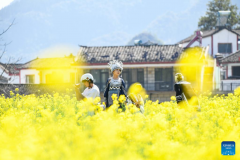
<point>59,127</point>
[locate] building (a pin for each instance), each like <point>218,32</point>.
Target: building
<point>231,71</point>
<point>150,65</point>
<point>47,71</point>
<point>3,80</point>
<point>220,40</point>
<point>224,44</point>
<point>9,73</point>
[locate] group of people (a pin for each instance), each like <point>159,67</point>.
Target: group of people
<point>116,85</point>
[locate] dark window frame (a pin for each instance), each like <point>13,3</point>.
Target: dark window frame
<point>162,85</point>
<point>232,70</point>
<point>129,81</point>
<point>223,76</point>
<point>30,75</point>
<point>225,43</point>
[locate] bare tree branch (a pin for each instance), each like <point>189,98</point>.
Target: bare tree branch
<point>4,31</point>
<point>4,50</point>
<point>10,65</point>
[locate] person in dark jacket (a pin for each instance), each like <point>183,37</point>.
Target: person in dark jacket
<point>185,92</point>
<point>115,84</point>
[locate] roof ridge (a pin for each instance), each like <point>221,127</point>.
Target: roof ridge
<point>238,51</point>
<point>130,45</point>
<point>54,57</point>
<point>213,30</point>
<point>30,61</point>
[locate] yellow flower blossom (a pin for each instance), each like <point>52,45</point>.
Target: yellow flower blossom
<point>17,90</point>
<point>122,99</point>
<point>237,91</point>
<point>173,98</point>
<point>60,127</point>
<point>114,97</point>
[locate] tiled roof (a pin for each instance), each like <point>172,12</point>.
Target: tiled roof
<point>206,34</point>
<point>234,57</point>
<point>11,68</point>
<point>237,31</point>
<point>138,53</point>
<point>49,63</point>
<point>3,79</point>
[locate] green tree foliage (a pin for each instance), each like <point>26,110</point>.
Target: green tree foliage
<point>209,21</point>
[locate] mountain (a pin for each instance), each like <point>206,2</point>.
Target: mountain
<point>144,37</point>
<point>57,27</point>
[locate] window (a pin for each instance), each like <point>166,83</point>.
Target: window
<point>163,79</point>
<point>131,76</point>
<point>163,74</point>
<point>30,79</point>
<point>104,75</point>
<point>225,48</point>
<point>140,75</point>
<point>126,77</point>
<point>223,75</point>
<point>96,75</point>
<point>236,71</point>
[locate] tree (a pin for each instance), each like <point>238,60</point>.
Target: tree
<point>209,21</point>
<point>11,61</point>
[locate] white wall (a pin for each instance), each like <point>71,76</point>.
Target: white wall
<point>224,36</point>
<point>206,41</point>
<point>231,81</point>
<point>230,85</point>
<point>65,72</point>
<point>14,79</point>
<point>217,76</point>
<point>25,72</point>
<point>230,65</point>
<point>3,73</point>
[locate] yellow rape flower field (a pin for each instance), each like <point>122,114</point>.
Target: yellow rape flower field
<point>59,127</point>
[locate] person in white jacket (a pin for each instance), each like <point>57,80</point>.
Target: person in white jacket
<point>91,91</point>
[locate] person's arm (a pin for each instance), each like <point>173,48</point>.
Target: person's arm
<point>123,89</point>
<point>79,95</point>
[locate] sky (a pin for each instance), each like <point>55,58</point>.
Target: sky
<point>47,28</point>
<point>5,3</point>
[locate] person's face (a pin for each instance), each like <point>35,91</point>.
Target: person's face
<point>117,72</point>
<point>176,79</point>
<point>86,83</point>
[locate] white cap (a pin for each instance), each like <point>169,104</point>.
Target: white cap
<point>86,77</point>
